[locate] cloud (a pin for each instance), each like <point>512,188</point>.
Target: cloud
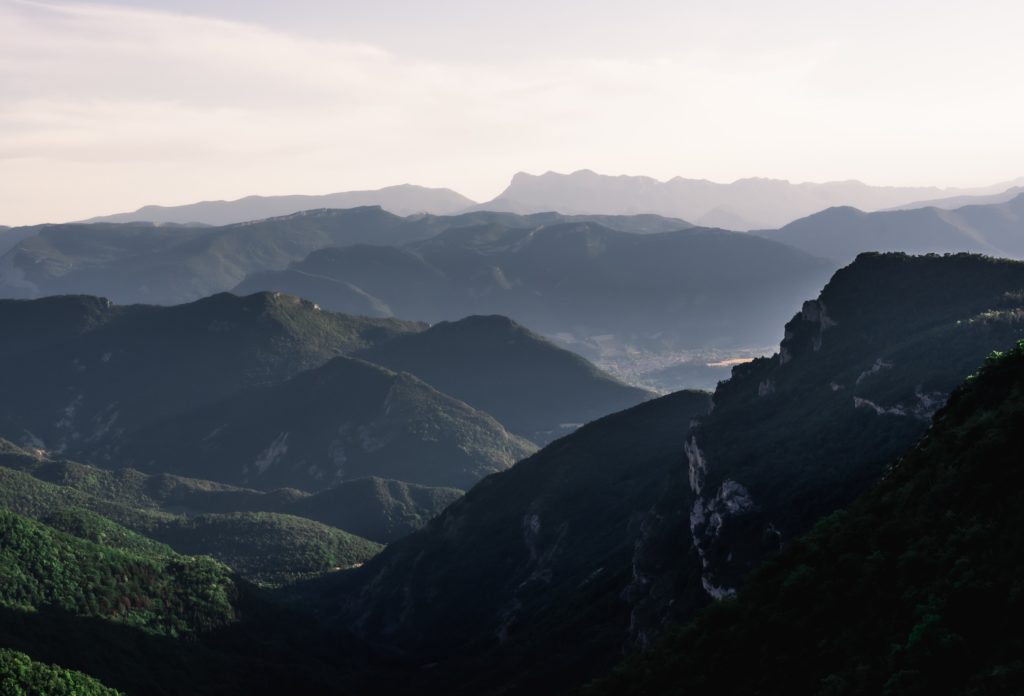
<point>88,80</point>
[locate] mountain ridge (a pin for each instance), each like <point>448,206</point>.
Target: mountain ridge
<point>996,229</point>
<point>80,377</point>
<point>742,204</point>
<point>541,391</point>
<point>912,589</point>
<point>346,419</point>
<point>751,203</point>
<point>579,279</point>
<point>87,385</point>
<point>403,199</point>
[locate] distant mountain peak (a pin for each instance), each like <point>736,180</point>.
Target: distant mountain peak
<point>484,321</point>
<point>261,300</point>
<point>841,232</point>
<point>836,211</point>
<point>745,204</point>
<point>402,199</point>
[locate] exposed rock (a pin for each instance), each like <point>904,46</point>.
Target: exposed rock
<point>697,467</point>
<point>874,369</point>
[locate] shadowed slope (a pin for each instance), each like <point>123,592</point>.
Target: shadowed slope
<point>915,589</point>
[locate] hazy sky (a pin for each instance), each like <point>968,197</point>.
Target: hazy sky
<point>106,107</point>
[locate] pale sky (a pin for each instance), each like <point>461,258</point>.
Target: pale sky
<point>107,107</point>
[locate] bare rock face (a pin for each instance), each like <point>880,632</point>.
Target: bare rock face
<point>859,374</point>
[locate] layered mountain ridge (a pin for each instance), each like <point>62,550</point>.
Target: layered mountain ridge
<point>575,280</point>
<point>605,285</point>
<point>267,391</point>
<point>269,439</point>
<point>996,229</point>
<point>791,438</point>
<point>399,200</point>
<point>745,204</point>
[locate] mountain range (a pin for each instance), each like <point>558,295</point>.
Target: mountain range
<point>689,533</point>
<point>400,200</point>
<point>143,262</point>
<point>576,280</point>
<point>996,229</point>
<point>272,391</point>
<point>745,204</point>
<point>790,439</point>
<point>954,202</point>
<point>170,264</point>
<point>322,452</point>
<point>638,279</point>
<point>606,286</point>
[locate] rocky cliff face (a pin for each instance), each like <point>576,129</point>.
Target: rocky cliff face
<point>915,588</point>
<point>857,378</point>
